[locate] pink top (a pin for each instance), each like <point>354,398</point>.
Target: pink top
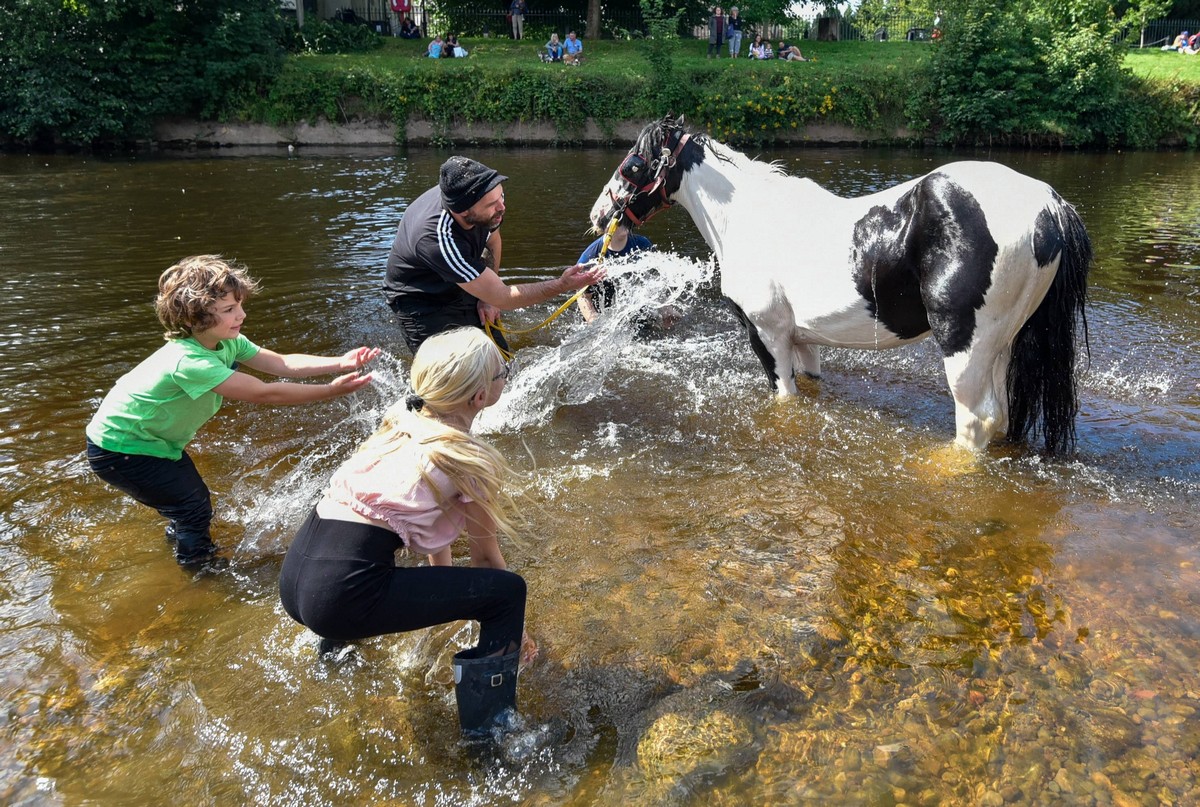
<point>390,488</point>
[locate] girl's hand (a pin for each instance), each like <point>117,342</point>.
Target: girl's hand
<point>529,648</point>
<point>357,358</point>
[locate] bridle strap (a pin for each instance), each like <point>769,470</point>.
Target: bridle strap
<point>656,185</point>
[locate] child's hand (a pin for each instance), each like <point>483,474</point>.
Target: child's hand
<point>348,383</point>
<point>356,359</point>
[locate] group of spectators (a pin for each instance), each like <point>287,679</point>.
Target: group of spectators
<point>447,48</point>
<point>724,29</point>
<point>568,51</point>
<point>1185,43</point>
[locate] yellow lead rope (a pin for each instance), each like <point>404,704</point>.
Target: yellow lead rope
<point>489,327</point>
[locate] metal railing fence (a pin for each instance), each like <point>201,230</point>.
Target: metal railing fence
<point>1157,33</point>
<point>492,20</point>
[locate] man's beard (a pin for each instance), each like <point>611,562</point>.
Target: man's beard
<point>480,221</point>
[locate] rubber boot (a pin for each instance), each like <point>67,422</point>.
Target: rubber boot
<point>484,686</point>
<point>198,553</point>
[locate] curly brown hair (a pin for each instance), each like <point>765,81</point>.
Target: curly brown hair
<point>187,291</point>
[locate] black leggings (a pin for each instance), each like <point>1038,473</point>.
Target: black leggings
<point>339,579</point>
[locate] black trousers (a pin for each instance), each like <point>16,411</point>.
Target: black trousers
<point>339,579</point>
<point>172,487</point>
<point>420,319</point>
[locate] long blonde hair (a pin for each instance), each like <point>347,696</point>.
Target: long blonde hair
<point>449,369</point>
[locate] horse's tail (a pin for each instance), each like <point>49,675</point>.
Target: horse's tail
<point>1042,393</point>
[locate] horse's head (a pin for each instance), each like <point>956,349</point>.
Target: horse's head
<point>647,177</point>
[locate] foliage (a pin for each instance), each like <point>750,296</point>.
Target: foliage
<point>765,102</point>
<point>1030,69</point>
<point>328,36</point>
<point>448,91</point>
<point>870,14</point>
<point>1140,12</point>
<point>83,71</point>
<point>881,89</point>
<point>661,49</point>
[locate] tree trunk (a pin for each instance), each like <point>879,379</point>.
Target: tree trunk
<point>593,20</point>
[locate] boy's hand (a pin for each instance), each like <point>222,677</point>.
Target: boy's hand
<point>348,383</point>
<point>357,358</point>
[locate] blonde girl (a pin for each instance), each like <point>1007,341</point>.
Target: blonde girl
<point>419,482</point>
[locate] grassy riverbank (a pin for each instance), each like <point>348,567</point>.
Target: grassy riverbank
<point>879,90</point>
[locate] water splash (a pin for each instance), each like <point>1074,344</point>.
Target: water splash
<point>575,371</point>
<point>277,489</point>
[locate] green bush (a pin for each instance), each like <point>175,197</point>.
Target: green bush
<point>81,73</point>
<point>328,36</point>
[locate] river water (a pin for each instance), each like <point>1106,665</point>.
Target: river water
<point>738,600</point>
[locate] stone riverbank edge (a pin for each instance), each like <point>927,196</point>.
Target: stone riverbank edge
<point>417,132</point>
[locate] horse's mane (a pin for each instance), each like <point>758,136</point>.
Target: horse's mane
<point>652,137</point>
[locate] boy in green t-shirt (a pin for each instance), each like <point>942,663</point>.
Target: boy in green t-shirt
<point>136,440</point>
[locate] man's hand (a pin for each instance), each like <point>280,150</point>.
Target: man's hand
<point>583,274</point>
<point>488,313</point>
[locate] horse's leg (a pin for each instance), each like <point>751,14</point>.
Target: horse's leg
<point>977,378</point>
<point>773,353</point>
<point>809,359</point>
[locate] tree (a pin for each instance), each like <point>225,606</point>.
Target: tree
<point>83,71</point>
<point>1010,67</point>
<point>1141,12</point>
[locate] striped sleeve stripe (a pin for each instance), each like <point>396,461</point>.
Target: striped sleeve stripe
<point>451,254</point>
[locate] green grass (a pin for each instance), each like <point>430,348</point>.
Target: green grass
<point>620,56</point>
<point>875,89</point>
<point>1153,63</point>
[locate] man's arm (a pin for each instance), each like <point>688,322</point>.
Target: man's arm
<point>494,248</point>
<point>489,288</point>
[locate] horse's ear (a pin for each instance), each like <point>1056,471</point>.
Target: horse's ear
<point>679,121</point>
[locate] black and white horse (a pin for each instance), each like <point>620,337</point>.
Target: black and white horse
<point>992,263</point>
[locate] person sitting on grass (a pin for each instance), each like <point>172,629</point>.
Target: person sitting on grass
<point>434,51</point>
<point>789,53</point>
<point>136,439</point>
<point>554,49</point>
<point>574,49</point>
<point>1180,43</point>
<point>759,49</point>
<point>409,29</point>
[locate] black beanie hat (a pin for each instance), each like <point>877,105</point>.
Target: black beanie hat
<point>465,181</point>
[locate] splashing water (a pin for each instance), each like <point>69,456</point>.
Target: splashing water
<point>575,371</point>
<point>266,507</point>
<point>571,373</point>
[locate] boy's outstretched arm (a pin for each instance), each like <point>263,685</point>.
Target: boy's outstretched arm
<point>245,387</point>
<point>302,365</point>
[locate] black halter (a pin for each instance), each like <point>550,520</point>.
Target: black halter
<point>648,178</point>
